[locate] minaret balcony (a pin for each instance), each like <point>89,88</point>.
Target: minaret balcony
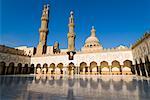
<point>71,25</point>
<point>43,30</point>
<point>44,18</point>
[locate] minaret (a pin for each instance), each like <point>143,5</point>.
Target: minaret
<point>71,37</point>
<point>71,33</point>
<point>43,30</point>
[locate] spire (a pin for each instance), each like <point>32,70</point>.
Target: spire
<point>93,31</point>
<point>71,19</point>
<point>45,11</point>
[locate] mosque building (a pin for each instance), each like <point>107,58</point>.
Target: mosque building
<point>92,59</point>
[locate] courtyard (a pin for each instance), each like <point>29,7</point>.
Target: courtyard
<point>77,87</point>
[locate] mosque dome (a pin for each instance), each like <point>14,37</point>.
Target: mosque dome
<point>92,42</point>
<point>92,39</point>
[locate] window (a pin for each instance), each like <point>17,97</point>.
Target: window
<point>90,46</point>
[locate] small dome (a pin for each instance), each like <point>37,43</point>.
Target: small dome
<point>92,39</point>
<point>121,47</point>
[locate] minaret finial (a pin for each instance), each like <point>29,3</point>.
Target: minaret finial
<point>93,31</point>
<point>71,18</point>
<point>92,27</point>
<point>47,6</point>
<point>71,13</point>
<point>71,22</point>
<point>45,11</point>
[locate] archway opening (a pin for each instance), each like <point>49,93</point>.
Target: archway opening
<point>127,65</point>
<point>71,68</point>
<point>2,68</point>
<point>45,69</point>
<point>116,68</point>
<point>83,68</point>
<point>104,68</point>
<point>25,69</point>
<point>60,66</point>
<point>51,69</point>
<point>38,69</point>
<point>10,69</point>
<point>93,68</point>
<point>19,67</point>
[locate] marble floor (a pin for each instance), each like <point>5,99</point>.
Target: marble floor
<point>79,87</point>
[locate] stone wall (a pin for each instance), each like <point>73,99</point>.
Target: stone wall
<point>11,59</point>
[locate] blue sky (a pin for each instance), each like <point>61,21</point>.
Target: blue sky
<point>116,21</point>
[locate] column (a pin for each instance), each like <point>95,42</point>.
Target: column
<point>88,70</point>
<point>135,69</point>
<point>78,70</point>
<point>84,71</point>
<point>145,70</point>
<point>15,70</point>
<point>139,66</point>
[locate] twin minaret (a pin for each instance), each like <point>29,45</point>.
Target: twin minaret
<point>43,30</point>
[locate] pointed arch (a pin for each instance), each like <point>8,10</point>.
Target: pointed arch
<point>93,64</point>
<point>59,68</point>
<point>104,64</point>
<point>45,68</point>
<point>25,69</point>
<point>52,65</point>
<point>83,67</point>
<point>127,63</point>
<point>115,63</point>
<point>45,65</point>
<point>104,68</point>
<point>116,68</point>
<point>38,68</point>
<point>71,67</point>
<point>19,68</point>
<point>60,65</point>
<point>83,64</point>
<point>51,68</point>
<point>93,67</point>
<point>10,69</point>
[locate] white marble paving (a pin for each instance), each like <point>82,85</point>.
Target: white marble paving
<point>79,87</point>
